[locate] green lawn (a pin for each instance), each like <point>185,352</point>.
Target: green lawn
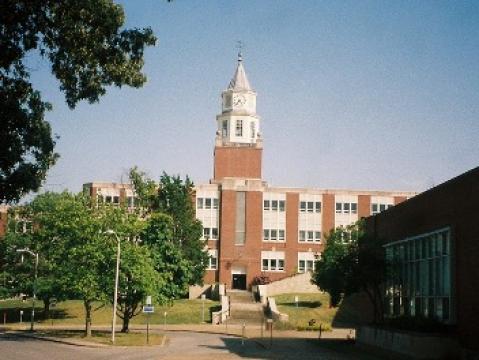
<point>353,310</point>
<point>104,337</point>
<point>310,307</point>
<point>71,312</point>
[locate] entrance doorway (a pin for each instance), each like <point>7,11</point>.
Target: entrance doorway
<point>238,273</point>
<point>239,281</point>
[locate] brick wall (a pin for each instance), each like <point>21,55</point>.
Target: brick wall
<point>239,162</point>
<point>328,213</point>
<point>452,204</point>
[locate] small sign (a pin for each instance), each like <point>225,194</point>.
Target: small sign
<point>148,309</point>
<point>148,300</point>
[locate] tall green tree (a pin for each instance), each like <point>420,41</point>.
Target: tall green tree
<point>88,51</point>
<point>353,262</point>
<point>174,196</point>
<point>138,277</point>
<point>169,259</point>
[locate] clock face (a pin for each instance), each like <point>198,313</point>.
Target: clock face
<point>239,100</point>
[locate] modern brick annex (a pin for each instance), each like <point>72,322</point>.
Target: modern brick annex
<point>434,241</point>
<point>250,228</point>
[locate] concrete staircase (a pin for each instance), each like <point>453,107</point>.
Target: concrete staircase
<point>243,308</point>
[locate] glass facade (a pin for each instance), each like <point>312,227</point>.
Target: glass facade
<point>420,281</point>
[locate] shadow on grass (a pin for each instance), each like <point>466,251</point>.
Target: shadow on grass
<point>12,315</point>
<point>353,310</point>
<point>306,304</point>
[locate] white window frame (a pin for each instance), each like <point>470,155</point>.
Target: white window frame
<point>239,128</point>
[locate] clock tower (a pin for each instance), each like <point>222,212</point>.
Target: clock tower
<point>238,145</point>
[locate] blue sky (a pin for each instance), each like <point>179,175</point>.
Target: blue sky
<point>352,94</point>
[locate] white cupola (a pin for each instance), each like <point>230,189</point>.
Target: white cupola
<point>238,122</point>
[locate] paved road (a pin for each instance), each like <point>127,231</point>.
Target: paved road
<point>182,345</point>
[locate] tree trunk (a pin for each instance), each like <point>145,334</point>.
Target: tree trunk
<point>46,308</point>
<point>87,304</point>
<point>126,322</point>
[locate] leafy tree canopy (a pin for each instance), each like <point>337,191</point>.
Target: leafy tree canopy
<point>174,197</point>
<point>88,51</point>
<point>353,262</point>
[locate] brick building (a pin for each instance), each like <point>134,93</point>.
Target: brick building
<point>434,239</point>
<point>253,229</point>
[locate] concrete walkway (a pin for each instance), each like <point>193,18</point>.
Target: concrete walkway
<point>197,342</point>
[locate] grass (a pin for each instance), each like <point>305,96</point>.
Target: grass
<point>311,312</point>
<point>104,337</point>
<point>71,312</point>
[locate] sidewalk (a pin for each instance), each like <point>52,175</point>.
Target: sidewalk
<point>253,332</point>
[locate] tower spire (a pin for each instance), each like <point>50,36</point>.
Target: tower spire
<point>240,80</point>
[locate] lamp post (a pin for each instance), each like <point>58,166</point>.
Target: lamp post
<point>113,325</point>
<point>35,255</point>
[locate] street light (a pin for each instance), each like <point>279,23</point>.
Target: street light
<point>110,232</point>
<point>35,255</point>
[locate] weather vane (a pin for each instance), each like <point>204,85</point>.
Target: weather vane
<point>240,46</point>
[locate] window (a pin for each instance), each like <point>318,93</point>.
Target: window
<point>265,266</point>
<point>346,208</point>
<point>240,221</point>
<point>274,205</point>
<point>206,233</point>
<point>272,261</point>
<point>252,130</point>
<point>310,206</point>
<point>239,128</point>
<point>274,235</point>
<point>376,208</point>
<point>309,236</point>
<point>306,261</point>
<point>317,206</point>
<point>224,128</point>
<point>108,199</point>
<point>272,264</point>
<point>228,101</point>
<point>302,235</point>
<point>266,205</point>
<point>339,208</point>
<point>301,266</point>
<point>130,201</point>
<point>199,203</point>
<point>216,203</point>
<point>210,233</point>
<point>207,203</point>
<point>302,206</point>
<point>213,260</point>
<point>421,282</point>
<point>354,208</point>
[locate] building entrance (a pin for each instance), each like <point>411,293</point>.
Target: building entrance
<point>239,281</point>
<point>238,274</point>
